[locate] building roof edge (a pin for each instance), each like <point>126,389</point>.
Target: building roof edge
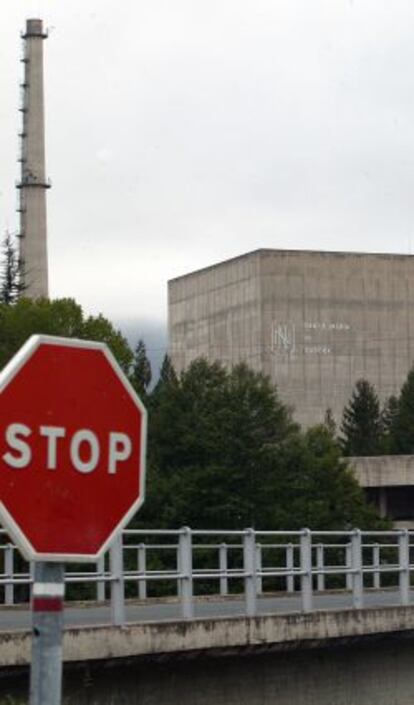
<point>266,251</point>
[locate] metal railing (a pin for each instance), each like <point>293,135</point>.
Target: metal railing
<point>247,564</point>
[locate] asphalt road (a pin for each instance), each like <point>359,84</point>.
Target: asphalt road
<point>12,618</point>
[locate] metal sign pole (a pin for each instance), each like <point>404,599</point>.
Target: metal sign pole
<point>47,621</point>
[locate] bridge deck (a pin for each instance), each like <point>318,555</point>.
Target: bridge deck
<point>19,618</point>
<point>219,626</point>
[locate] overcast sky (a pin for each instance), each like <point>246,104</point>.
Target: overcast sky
<point>183,132</point>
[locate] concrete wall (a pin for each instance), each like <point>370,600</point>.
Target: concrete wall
<point>377,672</point>
<point>384,470</point>
<point>216,313</point>
<point>316,322</point>
<point>389,484</point>
<point>217,635</point>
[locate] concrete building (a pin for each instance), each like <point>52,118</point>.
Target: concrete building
<point>388,481</point>
<point>33,184</point>
<point>315,322</point>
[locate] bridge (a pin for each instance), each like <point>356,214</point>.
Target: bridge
<point>272,603</point>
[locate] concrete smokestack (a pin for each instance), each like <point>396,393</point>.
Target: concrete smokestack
<point>33,184</point>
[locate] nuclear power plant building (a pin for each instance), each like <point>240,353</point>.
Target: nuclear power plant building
<point>315,322</point>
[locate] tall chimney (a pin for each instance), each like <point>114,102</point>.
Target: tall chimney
<point>33,184</point>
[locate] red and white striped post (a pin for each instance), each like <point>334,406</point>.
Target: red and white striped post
<point>47,625</point>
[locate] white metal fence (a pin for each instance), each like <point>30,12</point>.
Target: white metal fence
<point>186,563</point>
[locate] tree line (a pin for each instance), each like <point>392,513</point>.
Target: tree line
<point>369,428</point>
<point>223,450</point>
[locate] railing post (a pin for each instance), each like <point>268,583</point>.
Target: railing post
<point>9,571</point>
<point>348,563</point>
<point>117,582</point>
<point>100,585</point>
<point>404,565</point>
<point>290,564</point>
<point>320,564</point>
<point>32,567</point>
<point>249,566</point>
<point>224,589</point>
<point>357,574</point>
<point>259,565</point>
<point>306,569</point>
<point>177,560</point>
<point>185,566</point>
<point>142,568</point>
<point>376,564</point>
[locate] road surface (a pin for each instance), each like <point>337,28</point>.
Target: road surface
<point>12,618</point>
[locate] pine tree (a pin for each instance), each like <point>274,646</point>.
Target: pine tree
<point>11,285</point>
<point>168,376</point>
<point>329,422</point>
<point>361,422</point>
<point>141,374</point>
<point>389,417</point>
<point>167,372</point>
<point>402,434</point>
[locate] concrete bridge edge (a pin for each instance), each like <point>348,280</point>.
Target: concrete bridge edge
<point>218,635</point>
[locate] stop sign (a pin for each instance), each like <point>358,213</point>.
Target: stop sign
<point>72,449</point>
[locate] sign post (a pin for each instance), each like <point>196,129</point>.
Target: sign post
<point>47,626</point>
<point>72,474</point>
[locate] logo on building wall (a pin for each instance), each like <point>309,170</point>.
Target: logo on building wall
<point>283,338</point>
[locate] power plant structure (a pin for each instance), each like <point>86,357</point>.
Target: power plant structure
<point>315,322</point>
<point>33,183</point>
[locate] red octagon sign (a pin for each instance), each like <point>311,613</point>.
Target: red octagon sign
<point>72,449</point>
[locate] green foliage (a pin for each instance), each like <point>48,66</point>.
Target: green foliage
<point>361,422</point>
<point>99,328</point>
<point>301,482</point>
<point>167,372</point>
<point>402,430</point>
<point>314,487</point>
<point>141,374</point>
<point>389,418</point>
<point>62,317</point>
<point>225,453</point>
<point>11,285</point>
<point>167,377</point>
<point>214,416</point>
<point>329,422</point>
<point>183,428</point>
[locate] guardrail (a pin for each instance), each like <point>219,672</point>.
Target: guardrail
<point>187,563</point>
